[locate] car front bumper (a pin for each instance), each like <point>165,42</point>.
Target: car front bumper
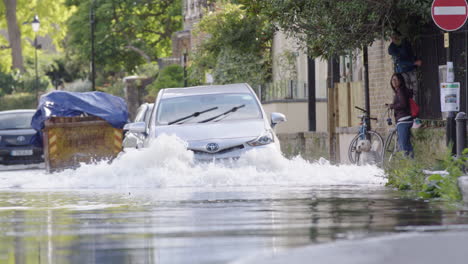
<point>230,155</point>
<point>7,156</point>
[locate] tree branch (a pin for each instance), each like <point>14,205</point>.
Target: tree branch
<point>139,51</point>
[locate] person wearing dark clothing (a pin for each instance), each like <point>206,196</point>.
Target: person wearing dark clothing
<point>402,112</point>
<point>404,60</point>
<point>402,54</point>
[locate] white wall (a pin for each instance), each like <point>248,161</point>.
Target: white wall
<point>282,43</point>
<point>296,114</point>
<point>321,117</point>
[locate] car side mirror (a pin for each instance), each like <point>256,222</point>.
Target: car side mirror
<point>277,118</point>
<point>138,127</point>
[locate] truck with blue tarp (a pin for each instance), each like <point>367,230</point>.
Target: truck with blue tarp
<point>76,128</point>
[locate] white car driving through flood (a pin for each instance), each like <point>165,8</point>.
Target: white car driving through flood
<point>216,121</point>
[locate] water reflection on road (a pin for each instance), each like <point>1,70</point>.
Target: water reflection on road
<point>199,225</point>
<point>156,205</point>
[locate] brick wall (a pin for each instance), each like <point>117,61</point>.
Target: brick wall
<point>380,72</point>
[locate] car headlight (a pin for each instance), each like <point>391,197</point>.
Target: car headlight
<point>264,139</point>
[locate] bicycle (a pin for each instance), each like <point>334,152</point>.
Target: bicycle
<point>391,146</point>
<point>375,139</point>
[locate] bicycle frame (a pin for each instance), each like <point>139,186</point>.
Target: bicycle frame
<point>363,129</point>
<point>364,133</point>
<point>391,145</point>
<point>365,120</point>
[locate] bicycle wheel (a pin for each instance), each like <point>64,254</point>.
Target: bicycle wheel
<point>353,154</point>
<point>391,147</point>
<point>377,148</point>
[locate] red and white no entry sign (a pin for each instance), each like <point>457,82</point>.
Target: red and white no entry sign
<point>449,15</point>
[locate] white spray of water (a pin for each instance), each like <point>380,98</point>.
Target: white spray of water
<point>167,163</point>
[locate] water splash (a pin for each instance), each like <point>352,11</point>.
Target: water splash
<point>167,163</point>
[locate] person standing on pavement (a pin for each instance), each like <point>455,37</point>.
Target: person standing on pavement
<point>404,60</point>
<point>402,112</point>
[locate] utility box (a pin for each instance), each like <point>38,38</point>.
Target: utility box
<point>69,141</point>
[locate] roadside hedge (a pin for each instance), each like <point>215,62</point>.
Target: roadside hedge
<point>18,101</point>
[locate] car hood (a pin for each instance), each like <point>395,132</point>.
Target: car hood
<point>211,131</point>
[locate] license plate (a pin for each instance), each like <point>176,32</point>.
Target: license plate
<point>22,152</point>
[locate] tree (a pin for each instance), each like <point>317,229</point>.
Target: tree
<point>128,33</point>
<point>331,28</point>
<point>171,76</point>
<point>14,35</point>
<point>18,14</point>
<point>236,46</point>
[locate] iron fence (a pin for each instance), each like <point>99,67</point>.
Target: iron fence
<point>282,90</point>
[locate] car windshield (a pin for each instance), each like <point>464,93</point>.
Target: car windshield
<point>16,120</point>
<point>171,109</point>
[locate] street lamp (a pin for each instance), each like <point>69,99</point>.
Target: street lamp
<point>35,27</point>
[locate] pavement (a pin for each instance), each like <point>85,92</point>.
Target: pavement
<point>425,248</point>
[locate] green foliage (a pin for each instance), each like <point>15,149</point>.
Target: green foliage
<point>59,72</point>
<point>52,14</point>
<point>115,88</point>
<point>127,33</point>
<point>18,101</point>
<point>7,83</point>
<point>16,82</point>
<point>407,174</point>
<point>233,66</point>
<point>235,47</point>
<point>332,28</point>
<point>171,76</point>
<point>446,186</point>
<point>148,70</point>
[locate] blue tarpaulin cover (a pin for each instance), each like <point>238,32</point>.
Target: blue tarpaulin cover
<point>111,108</point>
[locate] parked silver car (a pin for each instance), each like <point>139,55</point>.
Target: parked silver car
<point>217,122</point>
<point>135,140</point>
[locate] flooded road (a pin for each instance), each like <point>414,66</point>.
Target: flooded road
<point>199,225</point>
<point>157,206</point>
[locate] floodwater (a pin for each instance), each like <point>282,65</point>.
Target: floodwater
<point>156,206</point>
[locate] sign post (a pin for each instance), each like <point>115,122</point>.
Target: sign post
<point>449,15</point>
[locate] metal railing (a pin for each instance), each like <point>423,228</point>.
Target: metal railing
<point>282,90</point>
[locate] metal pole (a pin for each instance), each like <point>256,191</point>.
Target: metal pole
<point>365,56</point>
<point>461,133</point>
<point>451,137</point>
<point>93,69</point>
<point>311,94</point>
<point>35,66</point>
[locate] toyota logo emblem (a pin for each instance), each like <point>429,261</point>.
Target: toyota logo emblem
<point>212,147</point>
<point>20,139</point>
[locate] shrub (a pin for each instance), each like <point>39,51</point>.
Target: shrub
<point>407,174</point>
<point>18,101</point>
<point>171,76</point>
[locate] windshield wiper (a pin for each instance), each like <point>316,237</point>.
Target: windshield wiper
<point>192,115</point>
<point>232,110</point>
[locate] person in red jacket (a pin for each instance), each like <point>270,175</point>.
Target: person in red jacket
<point>402,112</point>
